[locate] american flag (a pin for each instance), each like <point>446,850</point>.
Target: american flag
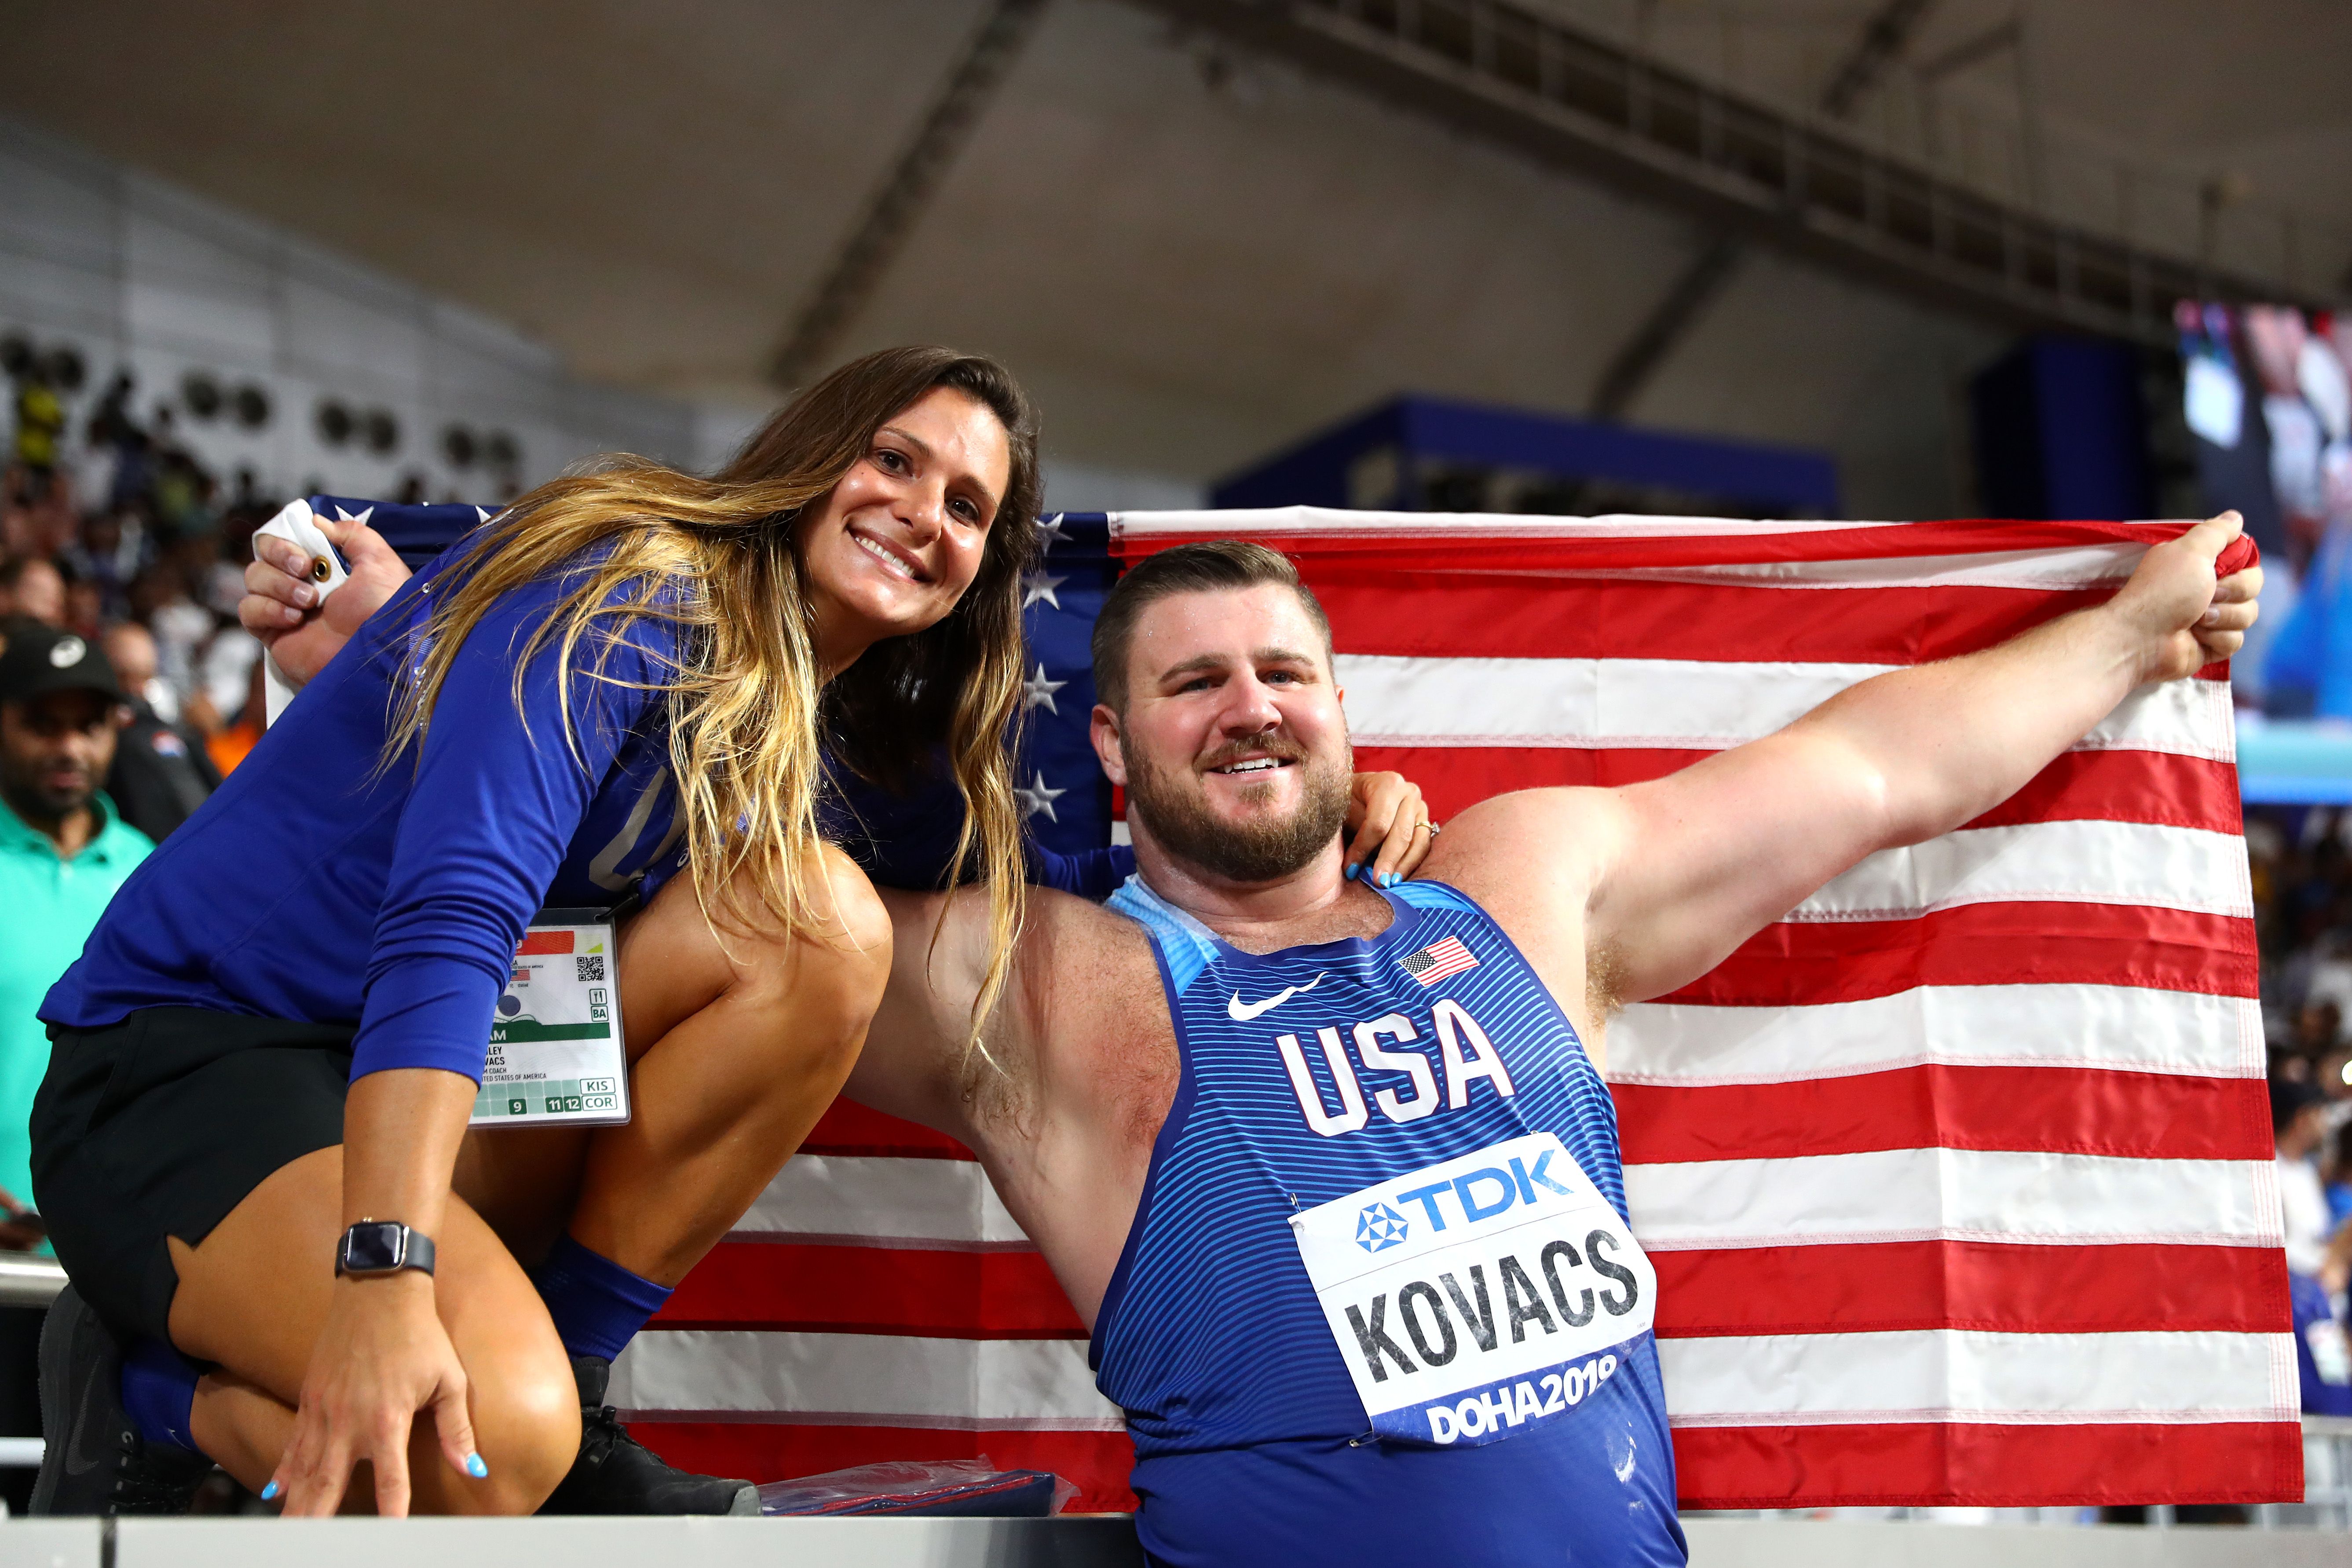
<point>1438,958</point>
<point>1958,1179</point>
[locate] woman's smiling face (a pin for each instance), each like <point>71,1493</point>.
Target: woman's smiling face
<point>894,546</point>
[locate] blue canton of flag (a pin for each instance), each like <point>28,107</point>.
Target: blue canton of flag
<point>1058,784</point>
<point>416,533</point>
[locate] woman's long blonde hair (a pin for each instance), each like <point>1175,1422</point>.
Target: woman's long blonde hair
<point>750,716</point>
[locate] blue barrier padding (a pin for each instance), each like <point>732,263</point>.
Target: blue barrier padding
<point>2295,763</point>
<point>1316,471</point>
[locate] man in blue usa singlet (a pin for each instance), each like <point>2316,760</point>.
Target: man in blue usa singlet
<point>1343,1206</point>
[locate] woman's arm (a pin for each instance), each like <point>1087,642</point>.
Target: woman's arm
<point>495,796</point>
<point>382,1353</point>
<point>499,788</point>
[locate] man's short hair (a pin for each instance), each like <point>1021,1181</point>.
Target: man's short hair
<point>1208,566</point>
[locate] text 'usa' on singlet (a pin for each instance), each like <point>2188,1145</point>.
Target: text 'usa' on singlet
<point>1380,1301</point>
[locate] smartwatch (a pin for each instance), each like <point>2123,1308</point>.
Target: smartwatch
<point>374,1248</point>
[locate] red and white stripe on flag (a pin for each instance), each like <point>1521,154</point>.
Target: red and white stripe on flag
<point>1956,1180</point>
<point>876,1304</point>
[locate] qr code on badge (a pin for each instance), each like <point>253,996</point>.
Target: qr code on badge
<point>590,968</point>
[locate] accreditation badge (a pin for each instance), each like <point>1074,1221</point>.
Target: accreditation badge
<point>556,1056</point>
<point>1476,1297</point>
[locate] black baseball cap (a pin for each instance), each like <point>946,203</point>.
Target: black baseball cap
<point>40,659</point>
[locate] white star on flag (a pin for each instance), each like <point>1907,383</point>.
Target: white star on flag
<point>342,516</point>
<point>1038,692</point>
<point>1037,797</point>
<point>1049,532</point>
<point>1040,585</point>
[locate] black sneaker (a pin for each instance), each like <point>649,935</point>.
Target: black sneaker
<point>96,1462</point>
<point>616,1474</point>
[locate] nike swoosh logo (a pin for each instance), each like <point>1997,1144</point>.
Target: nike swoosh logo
<point>1241,1012</point>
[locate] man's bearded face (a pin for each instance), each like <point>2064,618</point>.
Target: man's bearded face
<point>1264,841</point>
<point>1234,746</point>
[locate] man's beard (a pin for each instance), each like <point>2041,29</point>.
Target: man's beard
<point>45,806</point>
<point>1258,850</point>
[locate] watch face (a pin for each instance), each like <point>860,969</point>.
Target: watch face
<point>370,1248</point>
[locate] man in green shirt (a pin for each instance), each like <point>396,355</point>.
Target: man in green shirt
<point>63,851</point>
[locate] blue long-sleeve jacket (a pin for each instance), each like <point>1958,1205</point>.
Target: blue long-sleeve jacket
<point>901,841</point>
<point>317,885</point>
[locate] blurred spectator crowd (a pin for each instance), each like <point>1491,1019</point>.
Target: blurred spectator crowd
<point>127,691</point>
<point>2301,859</point>
<point>112,529</point>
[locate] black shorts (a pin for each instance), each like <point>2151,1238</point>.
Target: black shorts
<point>159,1126</point>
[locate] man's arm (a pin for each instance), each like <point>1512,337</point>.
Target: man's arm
<point>1049,1055</point>
<point>919,1061</point>
<point>1664,879</point>
<point>913,1063</point>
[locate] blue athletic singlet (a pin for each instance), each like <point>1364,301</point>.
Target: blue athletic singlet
<point>1379,1303</point>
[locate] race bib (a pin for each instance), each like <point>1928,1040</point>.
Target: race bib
<point>1475,1298</point>
<point>556,1056</point>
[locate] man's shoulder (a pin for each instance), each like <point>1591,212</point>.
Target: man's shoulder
<point>1076,929</point>
<point>1511,846</point>
<point>1086,972</point>
<point>1531,861</point>
<point>148,741</point>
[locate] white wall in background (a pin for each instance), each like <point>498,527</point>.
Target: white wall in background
<point>1070,488</point>
<point>138,273</point>
<point>720,428</point>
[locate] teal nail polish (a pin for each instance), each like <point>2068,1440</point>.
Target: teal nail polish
<point>476,1469</point>
<point>1351,870</point>
<point>1387,879</point>
<point>270,1493</point>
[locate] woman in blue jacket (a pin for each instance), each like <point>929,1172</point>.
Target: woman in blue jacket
<point>255,1124</point>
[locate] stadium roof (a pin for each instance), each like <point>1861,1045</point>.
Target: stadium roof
<point>1193,252</point>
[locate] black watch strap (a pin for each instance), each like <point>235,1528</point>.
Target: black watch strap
<point>373,1248</point>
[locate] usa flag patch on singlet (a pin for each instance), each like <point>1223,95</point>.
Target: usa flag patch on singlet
<point>1438,958</point>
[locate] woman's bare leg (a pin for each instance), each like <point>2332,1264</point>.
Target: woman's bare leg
<point>252,1298</point>
<point>243,1429</point>
<point>739,1041</point>
<point>741,1044</point>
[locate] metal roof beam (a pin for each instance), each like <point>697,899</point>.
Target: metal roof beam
<point>905,192</point>
<point>1646,352</point>
<point>1584,103</point>
<point>1883,39</point>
